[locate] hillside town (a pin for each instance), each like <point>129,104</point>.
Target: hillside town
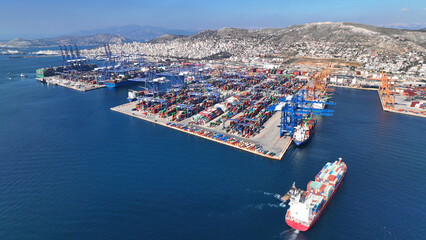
<point>401,58</point>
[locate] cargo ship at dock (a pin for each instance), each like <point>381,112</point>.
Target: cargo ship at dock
<point>307,206</point>
<point>118,83</point>
<point>304,131</point>
<point>123,79</point>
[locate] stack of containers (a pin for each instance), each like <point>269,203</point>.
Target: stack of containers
<point>331,173</point>
<point>206,115</point>
<point>180,115</point>
<point>318,202</point>
<point>199,119</point>
<point>319,188</point>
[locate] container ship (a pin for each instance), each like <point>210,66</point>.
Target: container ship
<point>319,105</point>
<point>118,83</point>
<point>304,131</point>
<point>125,78</point>
<point>45,72</point>
<point>306,206</point>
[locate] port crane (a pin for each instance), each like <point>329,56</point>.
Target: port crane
<point>64,61</point>
<point>386,91</point>
<point>72,60</point>
<point>67,55</point>
<point>104,72</point>
<point>77,53</point>
<point>294,107</point>
<point>72,53</point>
<point>320,83</point>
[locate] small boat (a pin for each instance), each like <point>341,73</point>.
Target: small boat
<point>290,192</point>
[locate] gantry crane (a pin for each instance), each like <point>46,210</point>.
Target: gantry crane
<point>294,107</point>
<point>77,53</point>
<point>386,91</point>
<point>72,52</point>
<point>64,61</point>
<point>319,85</point>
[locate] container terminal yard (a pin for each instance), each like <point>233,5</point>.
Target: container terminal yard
<point>252,109</point>
<point>400,96</point>
<point>258,110</point>
<point>249,109</point>
<point>76,72</point>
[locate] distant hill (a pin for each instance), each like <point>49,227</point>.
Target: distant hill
<point>139,33</point>
<point>348,34</point>
<point>327,32</point>
<point>18,43</point>
<point>96,39</point>
<point>414,26</point>
<point>166,38</point>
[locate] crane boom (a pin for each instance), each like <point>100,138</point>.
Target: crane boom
<point>62,55</point>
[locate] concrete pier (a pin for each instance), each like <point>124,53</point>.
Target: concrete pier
<point>401,106</point>
<point>79,86</point>
<point>269,137</point>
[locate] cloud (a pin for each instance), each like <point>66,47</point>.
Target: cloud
<point>424,9</point>
<point>404,9</point>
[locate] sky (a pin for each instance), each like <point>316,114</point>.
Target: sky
<point>44,18</point>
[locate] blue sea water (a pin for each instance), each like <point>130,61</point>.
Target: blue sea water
<point>70,168</point>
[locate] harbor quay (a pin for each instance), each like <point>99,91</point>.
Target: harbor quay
<point>403,106</point>
<point>396,96</point>
<point>269,138</point>
<point>75,85</point>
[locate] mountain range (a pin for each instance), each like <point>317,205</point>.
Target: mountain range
<point>346,35</point>
<point>322,32</point>
<point>351,41</point>
<point>96,39</point>
<point>112,35</point>
<point>137,32</point>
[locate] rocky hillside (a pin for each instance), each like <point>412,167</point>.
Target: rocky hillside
<point>345,34</point>
<point>369,46</point>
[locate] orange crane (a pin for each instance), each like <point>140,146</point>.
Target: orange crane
<point>320,82</point>
<point>386,91</point>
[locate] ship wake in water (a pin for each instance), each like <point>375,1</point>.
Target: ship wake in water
<point>291,234</point>
<point>260,206</point>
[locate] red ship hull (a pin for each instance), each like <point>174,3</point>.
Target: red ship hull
<point>304,228</point>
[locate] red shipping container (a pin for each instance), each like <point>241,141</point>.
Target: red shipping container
<point>331,178</point>
<point>413,104</point>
